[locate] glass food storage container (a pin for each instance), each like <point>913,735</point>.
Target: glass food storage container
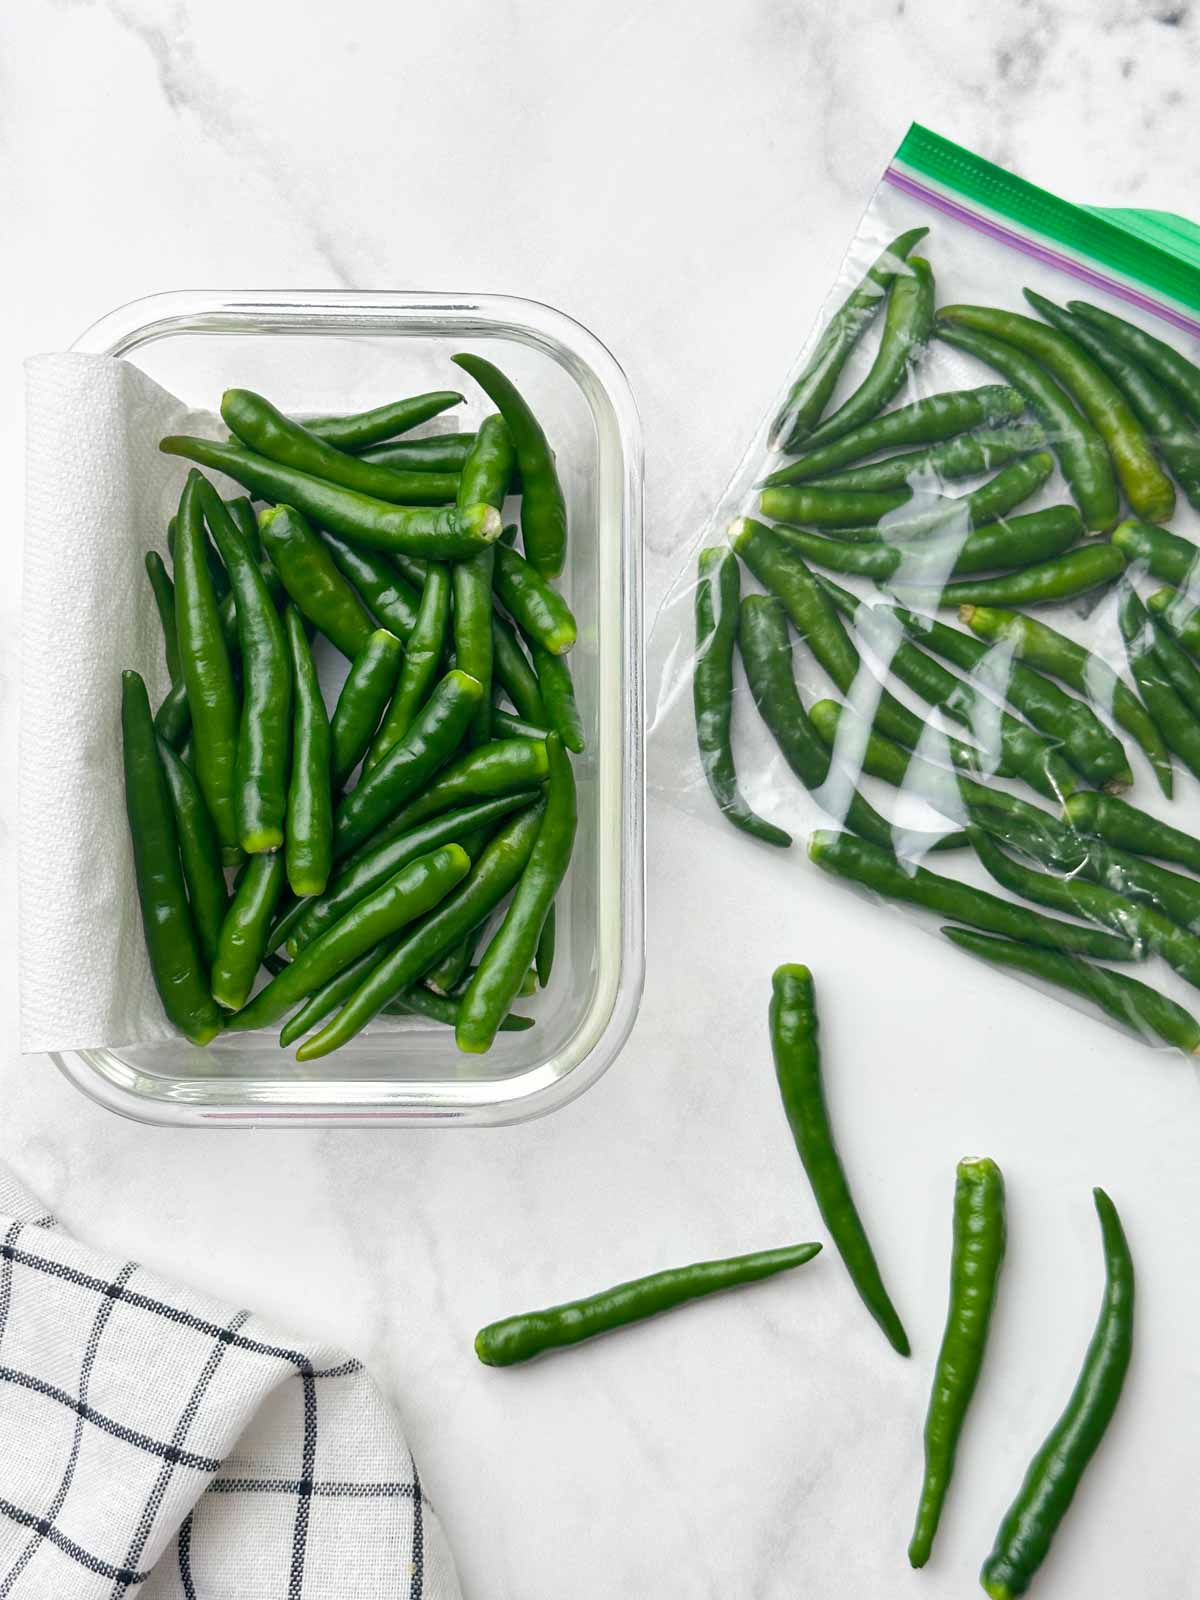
<point>328,352</point>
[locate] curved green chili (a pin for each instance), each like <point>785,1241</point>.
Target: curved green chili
<point>1178,667</point>
<point>793,1024</point>
<point>508,957</point>
<point>487,473</point>
<point>246,930</point>
<point>1077,572</point>
<point>444,1008</point>
<point>440,452</point>
<point>964,456</point>
<point>1082,453</point>
<point>362,429</point>
<point>199,852</point>
<point>313,581</point>
<point>1015,543</point>
<point>546,946</point>
<point>360,705</point>
<point>1054,1474</point>
<point>308,846</point>
<point>1165,555</point>
<point>543,505</point>
<point>813,389</point>
<point>390,599</point>
<point>220,578</point>
<point>422,658</point>
<point>1124,825</point>
<point>513,673</point>
<point>1163,360</point>
<point>976,1256</point>
<point>1175,721</point>
<point>537,608</point>
<point>176,963</point>
<point>558,696</point>
<point>438,533</point>
<point>164,600</point>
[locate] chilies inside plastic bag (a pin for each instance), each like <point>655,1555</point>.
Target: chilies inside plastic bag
<point>941,636</point>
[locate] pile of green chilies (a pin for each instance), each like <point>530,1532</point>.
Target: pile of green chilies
<point>1087,399</point>
<point>373,844</point>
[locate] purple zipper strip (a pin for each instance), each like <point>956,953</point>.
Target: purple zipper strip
<point>1053,258</point>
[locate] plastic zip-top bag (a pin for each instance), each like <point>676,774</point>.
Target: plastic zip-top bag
<point>940,639</point>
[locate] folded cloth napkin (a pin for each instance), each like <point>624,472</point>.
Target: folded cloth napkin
<point>156,1442</point>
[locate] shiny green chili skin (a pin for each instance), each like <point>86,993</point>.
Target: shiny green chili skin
<point>507,725</point>
<point>438,533</point>
<point>1171,433</point>
<point>543,505</point>
<point>1180,670</point>
<point>360,705</point>
<point>936,417</point>
<point>440,452</point>
<point>976,1255</point>
<point>262,427</point>
<point>546,946</point>
<point>513,949</point>
<point>1050,651</point>
<point>1165,555</point>
<point>207,673</point>
<point>558,696</point>
<point>334,994</point>
<point>794,1046</point>
<point>1092,566</point>
<point>164,600</point>
<point>444,1008</point>
<point>907,324</point>
<point>1163,360</point>
<point>487,473</point>
<point>513,673</point>
<point>246,930</point>
<point>176,962</point>
<point>390,599</point>
<point>717,598</point>
<point>964,456</point>
<point>859,861</point>
<point>362,429</point>
<point>265,734</point>
<point>309,828</point>
<point>1180,615</point>
<point>313,581</point>
<point>422,657</point>
<point>241,508</point>
<point>449,968</point>
<point>1147,487</point>
<point>537,608</point>
<point>199,852</point>
<point>1029,1526</point>
<point>220,578</point>
<point>520,1338</point>
<point>813,389</point>
<point>1176,722</point>
<point>1014,543</point>
<point>1135,1005</point>
<point>1122,824</point>
<point>1081,452</point>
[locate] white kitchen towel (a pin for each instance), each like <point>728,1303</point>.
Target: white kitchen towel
<point>154,1442</point>
<point>99,494</point>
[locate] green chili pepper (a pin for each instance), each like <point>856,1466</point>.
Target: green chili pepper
<point>976,1256</point>
<point>1165,362</point>
<point>264,744</point>
<point>1178,667</point>
<point>520,1338</point>
<point>859,861</point>
<point>813,389</point>
<point>487,473</point>
<point>310,793</point>
<point>199,852</point>
<point>543,506</point>
<point>362,429</point>
<point>793,1022</point>
<point>717,592</point>
<point>508,957</point>
<point>1092,566</point>
<point>164,600</point>
<point>431,740</point>
<point>212,697</point>
<point>423,656</point>
<point>964,456</point>
<point>176,962</point>
<point>494,875</point>
<point>241,508</point>
<point>313,582</point>
<point>507,725</point>
<point>936,417</point>
<point>1129,1001</point>
<point>1081,452</point>
<point>388,597</point>
<point>246,929</point>
<point>220,578</point>
<point>1147,488</point>
<point>365,693</point>
<point>445,1009</point>
<point>1165,555</point>
<point>489,467</point>
<point>415,890</point>
<point>334,994</point>
<point>540,612</point>
<point>1044,1497</point>
<point>1175,721</point>
<point>558,696</point>
<point>436,532</point>
<point>440,452</point>
<point>1122,824</point>
<point>514,674</point>
<point>547,943</point>
<point>1050,651</point>
<point>448,969</point>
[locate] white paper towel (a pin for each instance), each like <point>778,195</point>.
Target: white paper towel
<point>99,495</point>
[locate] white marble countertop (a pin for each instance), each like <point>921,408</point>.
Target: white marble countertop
<point>683,179</point>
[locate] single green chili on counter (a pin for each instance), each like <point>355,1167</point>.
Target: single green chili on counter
<point>513,949</point>
<point>164,600</point>
<point>438,533</point>
<point>390,599</point>
<point>361,703</point>
<point>976,1256</point>
<point>1064,577</point>
<point>514,674</point>
<point>440,452</point>
<point>543,505</point>
<point>966,455</point>
<point>176,962</point>
<point>558,696</point>
<point>1026,1533</point>
<point>1165,555</point>
<point>361,429</point>
<point>308,847</point>
<point>1163,360</point>
<point>199,852</point>
<point>1124,825</point>
<point>246,930</point>
<point>537,608</point>
<point>794,1046</point>
<point>813,389</point>
<point>1138,1007</point>
<point>422,658</point>
<point>1175,721</point>
<point>520,1338</point>
<point>1082,453</point>
<point>313,581</point>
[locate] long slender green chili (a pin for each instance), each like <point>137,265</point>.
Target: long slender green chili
<point>422,658</point>
<point>1165,555</point>
<point>1179,614</point>
<point>444,1008</point>
<point>1180,670</point>
<point>438,533</point>
<point>216,571</point>
<point>520,1338</point>
<point>936,417</point>
<point>176,962</point>
<point>1054,1474</point>
<point>199,852</point>
<point>310,791</point>
<point>241,508</point>
<point>508,957</point>
<point>543,505</point>
<point>1163,360</point>
<point>334,994</point>
<point>793,1024</point>
<point>360,705</point>
<point>390,599</point>
<point>486,475</point>
<point>164,600</point>
<point>537,608</point>
<point>246,929</point>
<point>1134,1004</point>
<point>1124,825</point>
<point>440,452</point>
<point>964,456</point>
<point>976,1256</point>
<point>558,696</point>
<point>858,861</point>
<point>362,429</point>
<point>546,947</point>
<point>1077,572</point>
<point>448,969</point>
<point>507,725</point>
<point>513,673</point>
<point>1175,721</point>
<point>1081,452</point>
<point>313,581</point>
